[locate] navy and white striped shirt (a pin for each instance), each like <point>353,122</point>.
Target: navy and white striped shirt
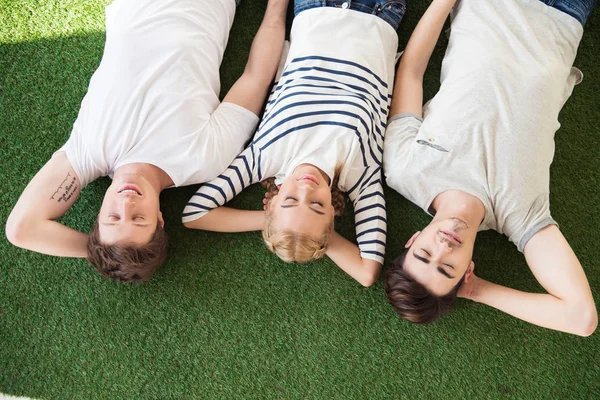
<point>329,109</point>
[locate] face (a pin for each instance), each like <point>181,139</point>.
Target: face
<point>440,255</point>
<point>303,203</point>
<point>130,211</point>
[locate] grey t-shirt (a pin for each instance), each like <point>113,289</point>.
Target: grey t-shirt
<point>489,131</point>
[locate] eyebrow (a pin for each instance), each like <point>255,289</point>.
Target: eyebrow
<point>296,205</point>
<point>439,269</point>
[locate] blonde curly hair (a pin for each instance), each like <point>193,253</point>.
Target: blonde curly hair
<point>292,246</point>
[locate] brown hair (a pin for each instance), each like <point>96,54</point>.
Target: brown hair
<point>411,299</point>
<point>127,263</point>
<point>292,246</point>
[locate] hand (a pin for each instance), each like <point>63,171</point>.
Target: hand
<point>267,199</point>
<point>470,287</point>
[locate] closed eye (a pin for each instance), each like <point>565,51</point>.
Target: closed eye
<point>289,202</point>
<point>443,272</point>
<point>318,203</point>
<point>426,252</point>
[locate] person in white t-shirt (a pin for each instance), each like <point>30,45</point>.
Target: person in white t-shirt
<point>151,119</point>
<point>321,136</point>
<point>478,157</point>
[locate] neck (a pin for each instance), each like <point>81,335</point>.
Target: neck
<point>158,178</point>
<point>457,204</point>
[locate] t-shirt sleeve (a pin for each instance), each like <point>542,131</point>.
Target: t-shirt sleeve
<point>86,169</point>
<point>521,225</point>
<point>399,134</point>
<point>229,129</point>
<point>370,217</point>
<point>238,176</point>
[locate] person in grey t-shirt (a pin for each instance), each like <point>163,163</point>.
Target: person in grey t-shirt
<point>478,157</point>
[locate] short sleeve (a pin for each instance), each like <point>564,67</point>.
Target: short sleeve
<point>522,224</point>
<point>229,129</point>
<point>399,134</point>
<point>86,169</point>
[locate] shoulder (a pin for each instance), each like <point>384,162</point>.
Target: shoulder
<point>521,221</point>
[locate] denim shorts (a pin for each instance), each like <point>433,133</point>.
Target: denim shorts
<point>391,11</point>
<point>578,9</point>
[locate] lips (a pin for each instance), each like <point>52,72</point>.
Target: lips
<point>452,236</point>
<point>308,177</point>
<point>130,189</point>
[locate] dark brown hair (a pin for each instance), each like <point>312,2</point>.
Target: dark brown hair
<point>411,299</point>
<point>127,263</point>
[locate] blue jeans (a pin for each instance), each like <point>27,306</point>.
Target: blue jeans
<point>391,11</point>
<point>578,9</point>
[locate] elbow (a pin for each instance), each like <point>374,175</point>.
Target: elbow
<point>192,224</point>
<point>369,279</point>
<point>370,273</point>
<point>16,230</point>
<point>588,320</point>
<point>367,282</point>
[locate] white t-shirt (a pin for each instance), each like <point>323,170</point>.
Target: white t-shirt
<point>154,97</point>
<point>489,131</point>
<point>329,108</point>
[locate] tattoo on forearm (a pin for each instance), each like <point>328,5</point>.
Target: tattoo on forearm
<point>66,189</point>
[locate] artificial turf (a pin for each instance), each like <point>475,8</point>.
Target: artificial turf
<point>224,318</point>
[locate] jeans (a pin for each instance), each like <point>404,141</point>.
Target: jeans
<point>578,9</point>
<point>391,11</point>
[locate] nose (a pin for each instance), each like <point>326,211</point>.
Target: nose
<point>444,246</point>
<point>127,205</point>
<point>306,187</point>
<point>129,201</point>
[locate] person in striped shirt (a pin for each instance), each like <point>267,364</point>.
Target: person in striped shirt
<point>322,131</point>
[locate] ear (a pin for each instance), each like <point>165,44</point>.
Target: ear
<point>161,220</point>
<point>469,273</point>
<point>270,204</point>
<point>412,239</point>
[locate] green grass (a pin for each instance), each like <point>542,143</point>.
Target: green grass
<point>224,318</point>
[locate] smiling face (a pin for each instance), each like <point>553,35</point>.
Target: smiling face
<point>130,211</point>
<point>303,204</point>
<point>440,255</point>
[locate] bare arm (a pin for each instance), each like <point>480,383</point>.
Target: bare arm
<point>568,306</point>
<point>250,90</point>
<point>227,219</point>
<point>346,255</point>
<point>408,88</point>
<point>48,196</point>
